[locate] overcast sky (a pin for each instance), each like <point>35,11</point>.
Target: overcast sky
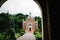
<point>21,6</point>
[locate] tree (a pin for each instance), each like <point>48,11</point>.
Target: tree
<point>4,21</point>
<point>39,22</point>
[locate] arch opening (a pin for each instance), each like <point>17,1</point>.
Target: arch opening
<point>17,9</point>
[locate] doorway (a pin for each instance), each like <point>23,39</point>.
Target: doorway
<point>30,27</point>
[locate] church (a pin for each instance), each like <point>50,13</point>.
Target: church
<point>30,24</point>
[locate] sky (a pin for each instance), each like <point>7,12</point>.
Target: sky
<point>21,6</point>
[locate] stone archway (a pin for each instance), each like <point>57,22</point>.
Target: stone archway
<point>45,18</point>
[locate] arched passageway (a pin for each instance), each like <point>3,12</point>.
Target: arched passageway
<point>46,26</point>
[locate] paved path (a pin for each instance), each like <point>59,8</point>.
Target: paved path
<point>27,36</point>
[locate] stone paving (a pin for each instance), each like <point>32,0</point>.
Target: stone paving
<point>27,36</point>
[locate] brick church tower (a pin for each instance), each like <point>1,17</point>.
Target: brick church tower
<point>30,24</point>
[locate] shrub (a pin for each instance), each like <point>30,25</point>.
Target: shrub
<point>1,37</point>
<point>38,35</point>
<point>17,35</point>
<point>10,35</point>
<point>22,32</point>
